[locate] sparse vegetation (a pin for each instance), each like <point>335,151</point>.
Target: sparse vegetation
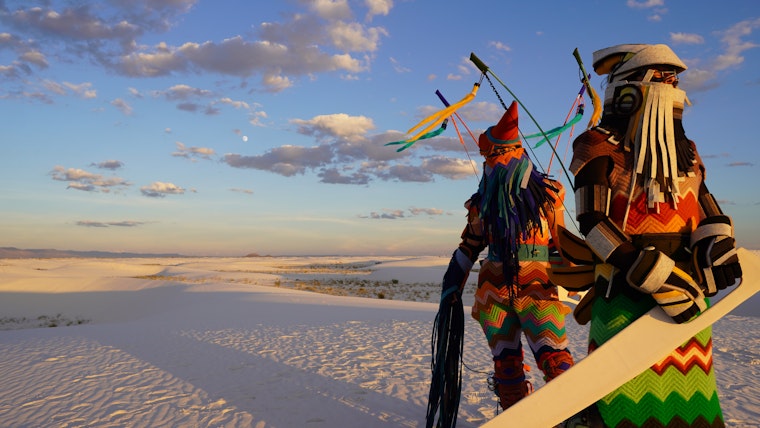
<point>17,323</point>
<point>340,279</point>
<point>391,290</point>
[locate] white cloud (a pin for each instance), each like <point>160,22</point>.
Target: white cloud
<point>499,46</point>
<point>687,38</point>
<point>393,214</point>
<point>123,223</point>
<point>276,82</point>
<point>122,105</point>
<point>109,164</point>
<point>233,103</point>
<point>338,125</point>
<point>452,168</point>
<point>35,57</point>
<point>239,190</point>
<point>84,90</point>
<point>735,45</point>
<point>323,40</point>
<point>336,176</point>
<point>378,7</point>
<point>256,118</point>
<point>398,67</point>
<point>354,37</point>
<point>423,211</point>
<point>645,4</point>
<point>160,189</point>
<point>150,64</point>
<point>74,24</point>
<point>80,179</point>
<point>192,152</point>
<point>54,87</point>
<point>403,172</point>
<point>331,9</point>
<point>185,92</point>
<point>287,160</point>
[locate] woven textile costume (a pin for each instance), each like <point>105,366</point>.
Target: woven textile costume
<point>640,185</point>
<point>513,214</point>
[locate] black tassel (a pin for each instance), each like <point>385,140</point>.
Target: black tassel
<point>447,346</point>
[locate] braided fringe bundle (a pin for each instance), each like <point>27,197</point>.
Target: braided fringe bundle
<point>447,345</point>
<point>514,197</point>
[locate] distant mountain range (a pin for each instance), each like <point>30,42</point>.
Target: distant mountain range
<point>17,253</point>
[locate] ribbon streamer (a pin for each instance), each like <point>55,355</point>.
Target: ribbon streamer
<point>595,101</point>
<point>438,117</point>
<point>408,143</point>
<point>555,131</point>
<point>484,69</point>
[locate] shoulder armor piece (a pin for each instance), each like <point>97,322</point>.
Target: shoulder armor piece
<point>592,144</point>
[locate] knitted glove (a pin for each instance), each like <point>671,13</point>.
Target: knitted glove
<point>674,290</point>
<point>714,254</point>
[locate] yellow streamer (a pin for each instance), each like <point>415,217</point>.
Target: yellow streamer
<point>597,103</point>
<point>435,119</point>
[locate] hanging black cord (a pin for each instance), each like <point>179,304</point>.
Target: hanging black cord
<point>485,70</point>
<point>447,346</point>
<point>495,91</point>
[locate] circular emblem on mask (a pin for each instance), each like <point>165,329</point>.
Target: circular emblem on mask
<point>627,100</point>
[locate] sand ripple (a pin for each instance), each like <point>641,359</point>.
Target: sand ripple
<point>88,384</point>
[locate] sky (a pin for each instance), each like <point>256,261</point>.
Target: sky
<point>226,128</point>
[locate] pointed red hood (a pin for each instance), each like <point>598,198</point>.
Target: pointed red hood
<point>506,129</point>
<point>503,133</point>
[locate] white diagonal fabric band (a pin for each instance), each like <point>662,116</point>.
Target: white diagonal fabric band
<point>603,239</point>
<point>710,230</point>
<point>658,273</point>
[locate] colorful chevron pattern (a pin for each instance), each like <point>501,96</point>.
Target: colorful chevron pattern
<point>678,391</point>
<point>506,312</point>
<point>675,216</point>
<point>667,218</point>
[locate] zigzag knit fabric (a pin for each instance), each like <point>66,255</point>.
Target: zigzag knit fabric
<point>677,392</point>
<point>532,310</point>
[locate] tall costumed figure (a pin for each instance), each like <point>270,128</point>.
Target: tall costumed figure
<point>658,236</point>
<point>514,214</point>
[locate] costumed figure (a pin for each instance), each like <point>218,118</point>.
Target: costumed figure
<point>514,214</point>
<point>658,236</point>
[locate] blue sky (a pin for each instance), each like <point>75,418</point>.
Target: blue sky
<point>231,127</point>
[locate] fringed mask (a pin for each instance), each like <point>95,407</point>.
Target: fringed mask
<point>642,80</point>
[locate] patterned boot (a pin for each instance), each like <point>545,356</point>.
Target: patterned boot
<point>509,381</point>
<point>554,363</point>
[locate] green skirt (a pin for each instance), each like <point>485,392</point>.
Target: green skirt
<point>678,391</point>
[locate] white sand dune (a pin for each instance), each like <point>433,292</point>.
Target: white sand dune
<point>210,342</point>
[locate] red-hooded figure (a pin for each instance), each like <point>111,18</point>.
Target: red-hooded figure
<point>514,214</point>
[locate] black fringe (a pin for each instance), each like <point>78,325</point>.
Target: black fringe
<point>447,346</point>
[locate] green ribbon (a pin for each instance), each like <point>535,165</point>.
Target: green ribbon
<point>548,135</point>
<point>407,143</point>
